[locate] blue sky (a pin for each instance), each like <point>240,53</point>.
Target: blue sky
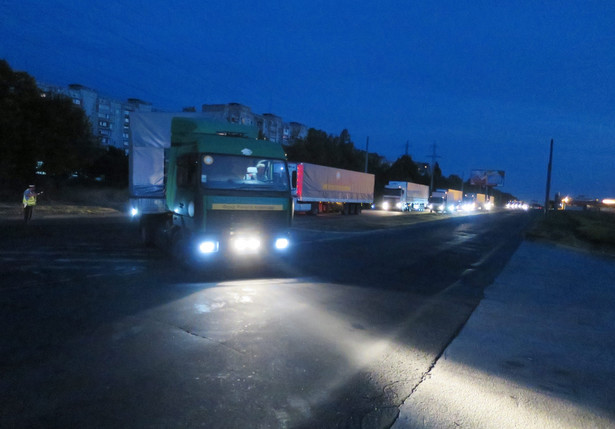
<point>489,82</point>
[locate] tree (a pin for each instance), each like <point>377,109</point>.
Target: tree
<point>110,165</point>
<point>438,179</point>
<point>316,148</point>
<point>64,141</point>
<point>405,170</point>
<point>37,131</point>
<point>18,94</point>
<point>323,149</point>
<point>454,182</point>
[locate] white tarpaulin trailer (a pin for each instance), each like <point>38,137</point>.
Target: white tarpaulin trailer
<point>150,135</point>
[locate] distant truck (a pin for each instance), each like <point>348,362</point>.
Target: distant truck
<point>405,196</point>
<point>476,201</point>
<point>437,201</point>
<point>208,190</point>
<point>321,189</point>
<point>454,200</point>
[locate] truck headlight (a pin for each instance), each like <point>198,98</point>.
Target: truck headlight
<point>282,243</point>
<point>247,244</point>
<point>385,206</point>
<point>134,211</point>
<point>398,205</point>
<point>208,246</point>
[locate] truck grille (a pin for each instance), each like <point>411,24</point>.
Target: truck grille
<point>231,220</point>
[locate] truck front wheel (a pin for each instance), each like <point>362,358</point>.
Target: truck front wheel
<point>147,231</point>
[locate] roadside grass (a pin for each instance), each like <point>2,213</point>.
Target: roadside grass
<point>589,230</point>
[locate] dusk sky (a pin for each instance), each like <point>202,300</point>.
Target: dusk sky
<point>489,82</point>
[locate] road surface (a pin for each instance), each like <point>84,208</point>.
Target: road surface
<point>101,332</point>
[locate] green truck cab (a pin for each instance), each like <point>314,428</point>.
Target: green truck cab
<point>225,193</point>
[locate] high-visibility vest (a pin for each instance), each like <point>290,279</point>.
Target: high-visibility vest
<point>29,198</point>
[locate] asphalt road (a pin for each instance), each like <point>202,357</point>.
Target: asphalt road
<point>101,332</point>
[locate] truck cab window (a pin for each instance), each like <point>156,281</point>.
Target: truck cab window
<point>234,172</point>
<point>187,172</point>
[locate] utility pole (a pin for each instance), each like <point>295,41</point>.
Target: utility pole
<point>549,178</point>
<point>366,152</point>
<point>433,164</point>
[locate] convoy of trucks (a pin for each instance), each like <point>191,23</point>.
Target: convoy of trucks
<point>207,189</point>
<point>320,189</point>
<point>405,196</point>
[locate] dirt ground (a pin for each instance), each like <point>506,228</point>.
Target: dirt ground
<point>368,220</point>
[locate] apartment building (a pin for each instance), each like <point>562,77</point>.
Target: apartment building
<point>271,126</point>
<point>109,118</point>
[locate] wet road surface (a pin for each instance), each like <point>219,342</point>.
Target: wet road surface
<point>102,332</point>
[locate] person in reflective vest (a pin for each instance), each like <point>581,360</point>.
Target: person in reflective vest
<point>29,201</point>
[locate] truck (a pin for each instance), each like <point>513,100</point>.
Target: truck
<point>405,196</point>
<point>208,190</point>
<point>476,201</point>
<point>454,200</point>
<point>437,201</point>
<point>320,189</point>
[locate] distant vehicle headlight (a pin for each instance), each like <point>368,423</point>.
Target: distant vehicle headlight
<point>385,206</point>
<point>134,211</point>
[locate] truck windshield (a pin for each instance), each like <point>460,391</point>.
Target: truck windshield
<point>392,192</point>
<point>240,172</point>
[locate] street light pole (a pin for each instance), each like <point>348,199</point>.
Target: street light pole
<point>366,152</point>
<point>433,164</point>
<point>549,178</point>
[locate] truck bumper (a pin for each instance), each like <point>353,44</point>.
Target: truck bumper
<point>239,246</point>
